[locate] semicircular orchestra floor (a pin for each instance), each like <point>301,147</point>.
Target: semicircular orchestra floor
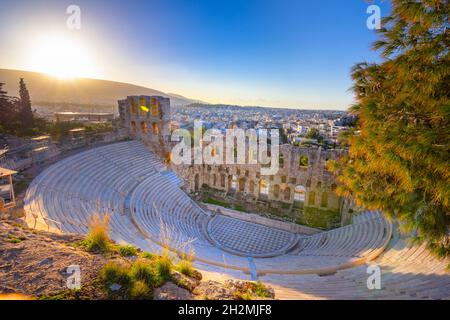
<point>249,239</point>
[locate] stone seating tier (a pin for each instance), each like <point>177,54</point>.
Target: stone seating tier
<point>148,209</point>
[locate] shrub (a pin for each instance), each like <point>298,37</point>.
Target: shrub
<point>97,238</point>
<point>115,273</point>
<point>261,290</point>
<point>127,250</point>
<point>148,255</point>
<point>140,290</point>
<point>137,281</point>
<point>164,267</point>
<point>185,267</point>
<point>142,270</point>
<point>242,296</point>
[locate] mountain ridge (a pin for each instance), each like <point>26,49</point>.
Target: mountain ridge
<point>45,89</point>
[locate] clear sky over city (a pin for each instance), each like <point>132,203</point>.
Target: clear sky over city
<point>295,54</point>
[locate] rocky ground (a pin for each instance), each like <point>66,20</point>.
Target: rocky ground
<point>35,264</point>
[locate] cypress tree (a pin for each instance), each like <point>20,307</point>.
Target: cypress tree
<point>25,112</point>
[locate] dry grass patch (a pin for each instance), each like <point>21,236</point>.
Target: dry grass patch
<point>127,250</point>
<point>97,239</point>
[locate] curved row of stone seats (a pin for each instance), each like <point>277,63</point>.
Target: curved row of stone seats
<point>106,170</point>
<point>83,180</point>
<point>171,177</point>
<point>65,195</point>
<point>355,240</point>
<point>71,215</point>
<point>150,219</point>
<point>96,180</point>
<point>407,272</point>
<point>367,215</point>
<point>333,250</point>
<point>101,180</point>
<point>163,210</point>
<point>131,157</point>
<point>345,241</point>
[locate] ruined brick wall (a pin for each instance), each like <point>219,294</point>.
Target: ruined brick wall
<point>302,180</point>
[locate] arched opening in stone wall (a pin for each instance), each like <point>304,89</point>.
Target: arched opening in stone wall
<point>214,180</point>
<point>133,107</point>
<point>230,182</point>
<point>155,109</point>
<point>144,127</point>
<point>276,191</point>
<point>222,180</point>
<point>312,198</point>
<point>242,185</point>
<point>233,182</point>
<point>133,127</point>
<point>196,183</point>
<point>251,187</point>
<point>287,194</point>
<point>263,188</point>
<point>324,200</point>
<point>155,129</point>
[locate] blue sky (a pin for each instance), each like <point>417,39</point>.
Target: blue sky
<point>252,52</point>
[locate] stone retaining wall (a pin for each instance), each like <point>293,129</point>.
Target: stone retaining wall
<point>255,218</point>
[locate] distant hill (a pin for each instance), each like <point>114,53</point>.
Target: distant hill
<point>49,91</point>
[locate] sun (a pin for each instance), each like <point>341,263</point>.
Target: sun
<point>61,57</point>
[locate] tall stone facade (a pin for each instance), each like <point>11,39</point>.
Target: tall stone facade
<point>301,182</point>
<point>147,118</point>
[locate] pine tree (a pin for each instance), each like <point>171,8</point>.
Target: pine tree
<point>2,106</point>
<point>25,112</point>
<point>6,109</point>
<point>399,153</point>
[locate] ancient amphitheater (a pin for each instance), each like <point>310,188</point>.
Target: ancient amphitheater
<point>148,209</point>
